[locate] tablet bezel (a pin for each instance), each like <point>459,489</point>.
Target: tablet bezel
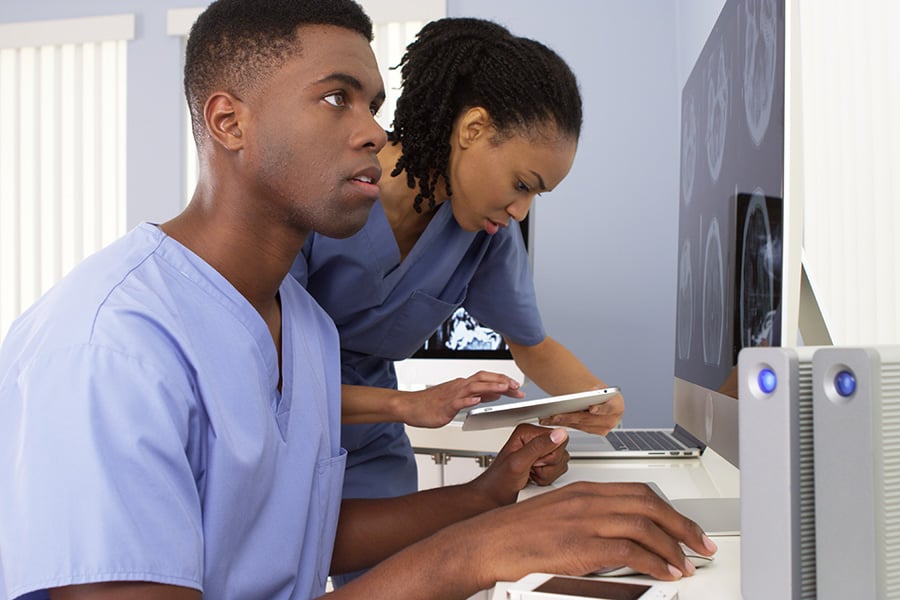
<point>492,416</point>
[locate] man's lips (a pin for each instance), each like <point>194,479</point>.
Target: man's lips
<point>368,175</point>
<point>367,181</point>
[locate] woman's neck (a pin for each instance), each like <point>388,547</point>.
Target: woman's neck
<point>397,200</point>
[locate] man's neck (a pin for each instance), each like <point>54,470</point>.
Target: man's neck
<point>254,265</point>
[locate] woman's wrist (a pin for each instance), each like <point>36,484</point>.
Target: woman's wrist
<point>399,405</point>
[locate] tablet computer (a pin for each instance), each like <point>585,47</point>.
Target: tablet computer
<point>510,414</point>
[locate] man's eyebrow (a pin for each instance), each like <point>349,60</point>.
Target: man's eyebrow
<point>351,81</point>
<point>540,180</point>
<point>343,78</point>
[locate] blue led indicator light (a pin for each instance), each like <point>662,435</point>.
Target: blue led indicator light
<point>845,383</point>
<point>767,381</point>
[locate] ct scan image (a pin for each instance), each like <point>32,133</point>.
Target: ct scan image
<point>685,306</point>
<point>759,295</point>
<point>688,148</point>
<point>462,332</point>
<point>713,296</point>
<point>718,82</point>
<point>760,53</point>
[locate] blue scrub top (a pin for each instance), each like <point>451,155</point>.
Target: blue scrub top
<point>143,436</point>
<point>385,309</point>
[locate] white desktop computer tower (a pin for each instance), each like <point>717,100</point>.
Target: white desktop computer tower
<point>776,449</point>
<point>856,406</point>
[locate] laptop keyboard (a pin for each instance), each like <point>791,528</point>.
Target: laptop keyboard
<point>641,440</point>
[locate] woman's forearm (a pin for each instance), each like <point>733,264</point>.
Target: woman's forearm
<point>365,404</point>
<point>553,367</point>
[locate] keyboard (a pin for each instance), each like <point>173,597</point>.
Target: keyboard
<point>642,440</point>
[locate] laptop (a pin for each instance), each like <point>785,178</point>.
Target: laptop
<point>635,443</point>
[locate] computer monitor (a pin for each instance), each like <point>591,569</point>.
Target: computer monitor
<point>739,236</point>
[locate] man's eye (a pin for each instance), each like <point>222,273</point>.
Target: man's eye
<point>336,99</point>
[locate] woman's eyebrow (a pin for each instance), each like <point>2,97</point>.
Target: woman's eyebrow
<point>540,180</point>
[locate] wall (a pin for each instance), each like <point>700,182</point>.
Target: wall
<point>604,241</point>
<point>155,161</point>
<point>851,90</point>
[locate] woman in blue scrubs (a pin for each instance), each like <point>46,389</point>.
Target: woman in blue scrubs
<point>485,122</point>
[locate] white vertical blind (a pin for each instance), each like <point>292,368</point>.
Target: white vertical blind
<point>851,110</point>
<point>389,45</point>
<point>178,23</point>
<point>62,167</point>
<point>396,24</point>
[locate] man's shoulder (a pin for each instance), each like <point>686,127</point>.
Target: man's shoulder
<point>68,313</point>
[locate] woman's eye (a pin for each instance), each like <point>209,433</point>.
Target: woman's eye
<point>522,186</point>
<point>336,99</point>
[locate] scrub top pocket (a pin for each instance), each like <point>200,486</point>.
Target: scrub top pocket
<point>414,322</point>
<point>329,482</point>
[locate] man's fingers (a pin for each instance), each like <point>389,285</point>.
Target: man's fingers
<point>624,552</point>
<point>639,500</point>
<point>536,448</point>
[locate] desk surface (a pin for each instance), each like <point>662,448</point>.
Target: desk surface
<point>709,476</point>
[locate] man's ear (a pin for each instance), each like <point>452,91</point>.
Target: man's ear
<point>223,113</point>
<point>473,126</point>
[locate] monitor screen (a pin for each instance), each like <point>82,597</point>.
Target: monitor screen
<point>731,217</point>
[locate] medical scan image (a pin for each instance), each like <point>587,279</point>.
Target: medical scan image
<point>685,304</point>
<point>713,299</point>
<point>756,302</point>
<point>731,207</point>
<point>717,88</point>
<point>688,148</point>
<point>760,53</point>
<point>462,332</point>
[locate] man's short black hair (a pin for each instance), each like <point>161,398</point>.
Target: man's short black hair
<point>235,44</point>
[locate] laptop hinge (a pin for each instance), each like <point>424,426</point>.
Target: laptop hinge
<point>684,436</point>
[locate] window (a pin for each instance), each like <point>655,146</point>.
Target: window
<point>62,163</point>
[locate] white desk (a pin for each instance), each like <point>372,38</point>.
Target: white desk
<point>709,476</point>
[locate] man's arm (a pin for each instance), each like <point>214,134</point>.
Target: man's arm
<point>371,530</point>
<point>554,369</point>
<point>575,530</point>
<point>124,590</point>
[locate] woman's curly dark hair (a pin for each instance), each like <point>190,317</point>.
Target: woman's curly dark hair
<point>459,63</point>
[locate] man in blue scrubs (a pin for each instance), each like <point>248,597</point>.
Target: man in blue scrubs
<point>170,411</point>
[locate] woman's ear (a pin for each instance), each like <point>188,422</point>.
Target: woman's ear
<point>223,113</point>
<point>473,126</point>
